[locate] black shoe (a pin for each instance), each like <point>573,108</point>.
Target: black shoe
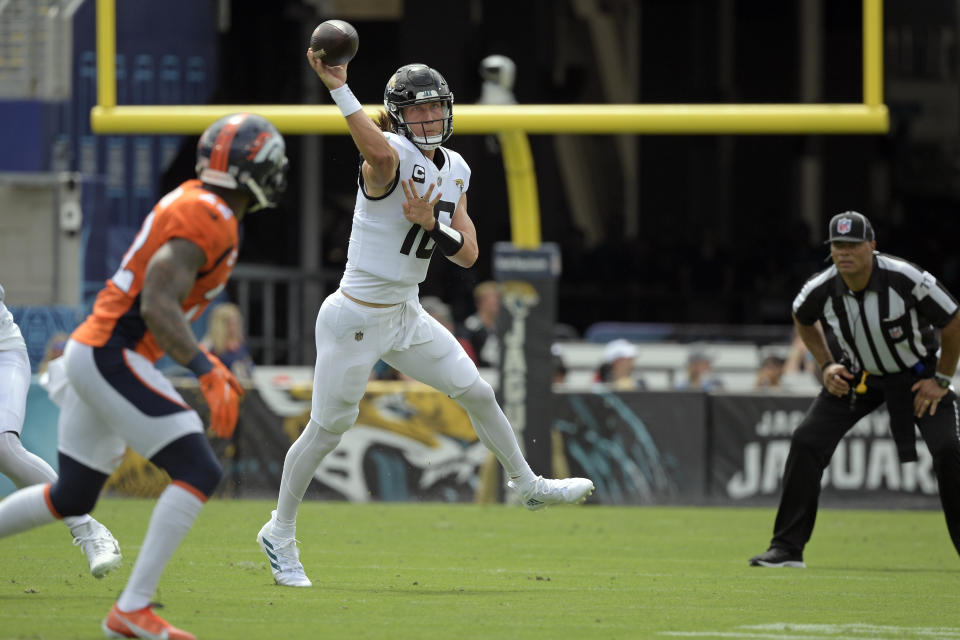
<point>774,557</point>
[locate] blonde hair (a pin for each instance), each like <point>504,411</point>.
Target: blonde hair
<point>384,122</point>
<point>486,287</point>
<point>218,335</point>
<point>53,350</point>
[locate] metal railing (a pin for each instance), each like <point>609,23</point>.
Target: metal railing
<point>279,305</point>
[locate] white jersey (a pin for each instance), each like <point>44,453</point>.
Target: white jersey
<point>10,336</point>
<point>388,256</point>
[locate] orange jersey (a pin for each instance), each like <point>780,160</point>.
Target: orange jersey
<point>189,212</point>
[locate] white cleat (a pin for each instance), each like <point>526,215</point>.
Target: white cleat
<point>545,492</point>
<point>100,547</point>
<point>283,556</point>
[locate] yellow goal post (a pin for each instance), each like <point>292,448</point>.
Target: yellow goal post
<point>512,123</point>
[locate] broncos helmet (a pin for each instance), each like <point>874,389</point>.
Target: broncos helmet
<point>244,151</point>
<point>418,84</point>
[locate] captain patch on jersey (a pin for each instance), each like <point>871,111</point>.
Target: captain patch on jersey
<point>388,256</point>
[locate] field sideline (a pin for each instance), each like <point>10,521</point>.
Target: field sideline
<point>466,571</point>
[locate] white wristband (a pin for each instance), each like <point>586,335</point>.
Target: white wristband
<point>345,100</point>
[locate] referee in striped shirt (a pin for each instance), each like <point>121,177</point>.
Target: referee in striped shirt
<point>877,342</point>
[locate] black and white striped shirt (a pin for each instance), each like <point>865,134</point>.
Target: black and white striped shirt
<point>887,327</point>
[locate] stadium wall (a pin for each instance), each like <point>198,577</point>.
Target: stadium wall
<point>412,443</point>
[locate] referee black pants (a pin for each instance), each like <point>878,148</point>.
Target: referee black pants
<point>815,440</point>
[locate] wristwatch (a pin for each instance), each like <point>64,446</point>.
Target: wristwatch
<point>942,380</point>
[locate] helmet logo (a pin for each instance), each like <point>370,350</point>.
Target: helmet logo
<point>429,93</point>
<point>419,174</point>
<point>844,225</point>
<point>266,148</point>
<point>258,144</point>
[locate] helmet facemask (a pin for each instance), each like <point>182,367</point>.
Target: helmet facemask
<point>417,131</point>
<point>266,193</point>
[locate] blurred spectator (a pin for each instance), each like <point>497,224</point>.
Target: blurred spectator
<point>700,376</point>
<point>440,310</point>
<point>54,350</point>
<point>225,339</point>
<point>800,370</point>
<point>616,370</point>
<point>382,371</point>
<point>480,329</point>
<point>769,373</point>
<point>799,359</point>
<point>558,365</point>
<point>564,332</point>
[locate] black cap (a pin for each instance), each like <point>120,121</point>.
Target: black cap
<point>850,226</point>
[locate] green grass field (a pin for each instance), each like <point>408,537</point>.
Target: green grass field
<point>466,571</point>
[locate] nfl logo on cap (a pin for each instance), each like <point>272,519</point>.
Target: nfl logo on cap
<point>850,226</point>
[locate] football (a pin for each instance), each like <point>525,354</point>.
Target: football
<point>335,42</point>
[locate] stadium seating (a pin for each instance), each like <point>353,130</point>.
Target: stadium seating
<point>662,365</point>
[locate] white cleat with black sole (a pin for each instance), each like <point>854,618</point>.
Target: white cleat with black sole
<point>283,557</point>
<point>545,492</point>
<point>100,547</point>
